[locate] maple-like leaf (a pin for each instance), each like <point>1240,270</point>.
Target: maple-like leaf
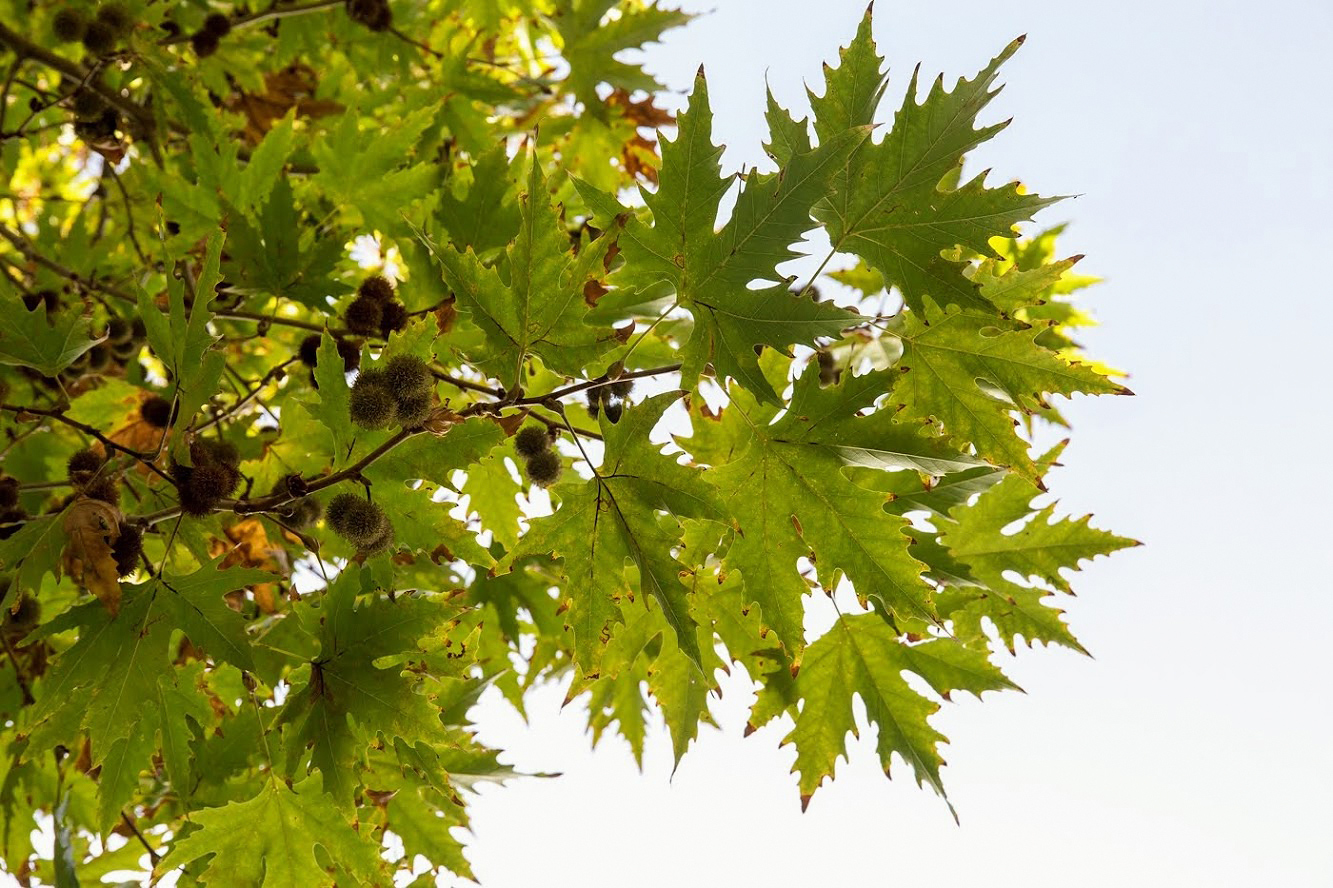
<point>862,656</point>
<point>980,536</point>
<point>120,659</point>
<point>32,552</point>
<point>48,343</point>
<point>540,310</point>
<point>969,370</point>
<point>791,499</point>
<point>610,520</point>
<point>345,700</point>
<point>591,42</point>
<point>712,271</point>
<point>270,840</point>
<point>887,205</point>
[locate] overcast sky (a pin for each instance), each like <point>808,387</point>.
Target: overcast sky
<point>1195,748</point>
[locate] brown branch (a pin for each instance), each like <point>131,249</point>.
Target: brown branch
<point>594,383</point>
<point>27,49</point>
<point>59,416</point>
<point>21,244</point>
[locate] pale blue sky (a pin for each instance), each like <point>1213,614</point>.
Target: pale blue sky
<point>1194,750</point>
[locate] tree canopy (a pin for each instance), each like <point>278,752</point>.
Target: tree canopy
<point>359,357</point>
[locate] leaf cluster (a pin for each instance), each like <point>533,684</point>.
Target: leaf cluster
<point>356,359</point>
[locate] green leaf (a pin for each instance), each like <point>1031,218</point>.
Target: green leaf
<point>861,656</point>
<point>540,310</point>
<point>348,697</point>
<point>47,344</point>
<point>31,553</point>
<point>332,410</point>
<point>591,43</point>
<point>980,535</point>
<point>791,500</point>
<point>265,166</point>
<point>887,206</point>
<point>968,372</point>
<point>270,841</point>
<point>488,217</point>
<point>609,520</point>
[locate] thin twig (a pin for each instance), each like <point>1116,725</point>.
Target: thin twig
<point>152,854</point>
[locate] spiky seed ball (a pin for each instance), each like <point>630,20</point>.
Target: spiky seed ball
<point>413,408</point>
<point>371,376</point>
<point>372,407</point>
<point>380,543</point>
<point>393,316</point>
<point>116,17</point>
<point>68,25</point>
<point>374,14</point>
<point>117,331</point>
<point>84,462</point>
<point>204,486</point>
<point>376,287</point>
<point>532,440</point>
<point>305,513</point>
<point>156,411</point>
<point>87,105</point>
<point>98,38</point>
<point>594,396</point>
<point>204,44</point>
<point>104,489</point>
<point>614,408</point>
<point>356,519</point>
<point>99,357</point>
<point>309,349</point>
<point>350,352</point>
<point>620,388</point>
<point>544,468</point>
<point>10,522</point>
<point>215,451</point>
<point>363,316</point>
<point>48,298</point>
<point>9,493</point>
<point>126,549</point>
<point>406,374</point>
<point>218,25</point>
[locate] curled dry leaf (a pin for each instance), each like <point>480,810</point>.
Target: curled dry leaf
<point>441,420</point>
<point>91,528</point>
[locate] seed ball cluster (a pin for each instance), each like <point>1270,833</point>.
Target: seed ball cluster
<point>303,510</point>
<point>85,473</point>
<point>9,492</point>
<point>399,393</point>
<point>542,464</point>
<point>157,412</point>
<point>373,14</point>
<point>207,39</point>
<point>610,398</point>
<point>125,550</point>
<point>348,350</point>
<point>12,515</point>
<point>213,476</point>
<point>375,311</point>
<point>111,24</point>
<point>360,522</point>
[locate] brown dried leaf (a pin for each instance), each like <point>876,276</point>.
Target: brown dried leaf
<point>292,87</point>
<point>91,528</point>
<point>250,547</point>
